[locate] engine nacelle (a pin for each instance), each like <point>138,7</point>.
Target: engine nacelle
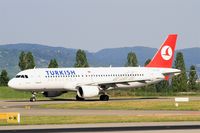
<point>87,91</point>
<point>53,93</point>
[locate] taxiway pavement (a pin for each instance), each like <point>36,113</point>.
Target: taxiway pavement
<point>150,127</point>
<point>27,108</point>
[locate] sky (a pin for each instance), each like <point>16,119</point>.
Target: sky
<point>97,24</point>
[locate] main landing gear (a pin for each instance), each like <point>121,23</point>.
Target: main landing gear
<point>104,97</point>
<point>79,98</point>
<point>33,98</point>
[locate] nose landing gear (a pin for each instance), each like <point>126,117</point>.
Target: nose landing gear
<point>33,98</point>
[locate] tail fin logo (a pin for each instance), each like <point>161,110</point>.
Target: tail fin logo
<point>166,52</point>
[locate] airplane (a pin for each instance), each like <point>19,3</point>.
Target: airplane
<point>95,81</point>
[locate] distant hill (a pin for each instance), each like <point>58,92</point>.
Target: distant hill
<point>9,55</point>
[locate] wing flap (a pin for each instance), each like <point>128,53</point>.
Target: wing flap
<point>118,82</point>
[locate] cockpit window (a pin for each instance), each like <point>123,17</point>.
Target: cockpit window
<point>21,76</point>
<point>18,76</point>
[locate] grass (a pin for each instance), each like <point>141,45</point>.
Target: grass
<point>38,120</point>
<point>127,105</point>
<point>8,93</point>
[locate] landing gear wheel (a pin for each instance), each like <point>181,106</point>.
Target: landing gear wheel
<point>79,98</point>
<point>32,99</point>
<point>104,98</point>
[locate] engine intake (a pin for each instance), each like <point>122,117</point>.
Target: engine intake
<point>87,91</point>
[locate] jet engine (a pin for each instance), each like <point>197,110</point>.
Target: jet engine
<point>87,91</point>
<point>53,93</point>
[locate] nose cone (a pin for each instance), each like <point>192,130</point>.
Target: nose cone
<point>15,84</point>
<point>11,83</point>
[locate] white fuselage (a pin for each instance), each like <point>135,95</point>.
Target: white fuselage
<point>67,79</point>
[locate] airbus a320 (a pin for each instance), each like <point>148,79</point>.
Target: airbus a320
<point>95,81</point>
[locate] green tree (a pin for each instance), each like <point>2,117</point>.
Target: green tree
<point>4,78</point>
<point>30,63</point>
<point>147,62</point>
<point>53,64</point>
<point>22,60</point>
<point>132,60</point>
<point>179,83</point>
<point>26,61</point>
<point>192,78</point>
<point>81,59</point>
<point>162,86</point>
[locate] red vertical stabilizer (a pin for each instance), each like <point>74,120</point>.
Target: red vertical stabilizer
<point>164,56</point>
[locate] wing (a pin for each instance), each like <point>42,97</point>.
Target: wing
<point>113,82</point>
